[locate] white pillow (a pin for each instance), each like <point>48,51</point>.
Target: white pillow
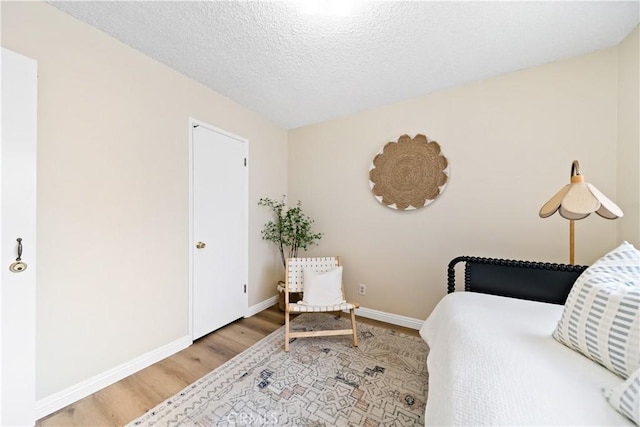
<point>322,288</point>
<point>601,317</point>
<point>625,398</point>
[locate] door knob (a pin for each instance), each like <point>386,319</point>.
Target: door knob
<point>200,245</point>
<point>18,266</point>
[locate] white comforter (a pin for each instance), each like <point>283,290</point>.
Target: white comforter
<point>493,361</point>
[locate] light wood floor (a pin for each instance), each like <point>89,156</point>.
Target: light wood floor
<point>131,397</point>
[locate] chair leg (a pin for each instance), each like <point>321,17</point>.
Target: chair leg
<point>353,326</point>
<point>286,330</point>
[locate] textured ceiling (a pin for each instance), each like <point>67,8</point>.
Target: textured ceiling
<point>298,69</point>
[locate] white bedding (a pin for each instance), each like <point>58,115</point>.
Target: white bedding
<point>492,361</point>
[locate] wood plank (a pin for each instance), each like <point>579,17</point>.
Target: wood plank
<point>88,413</point>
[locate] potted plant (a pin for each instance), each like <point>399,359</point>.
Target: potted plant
<point>290,231</point>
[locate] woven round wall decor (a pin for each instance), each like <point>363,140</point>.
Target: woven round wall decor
<point>409,173</point>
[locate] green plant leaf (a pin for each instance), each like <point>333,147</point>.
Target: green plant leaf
<point>290,230</point>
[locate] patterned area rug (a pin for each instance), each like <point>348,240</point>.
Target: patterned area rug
<point>322,381</point>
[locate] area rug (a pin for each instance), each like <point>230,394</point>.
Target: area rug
<point>322,381</point>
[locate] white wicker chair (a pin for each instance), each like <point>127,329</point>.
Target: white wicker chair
<point>294,283</point>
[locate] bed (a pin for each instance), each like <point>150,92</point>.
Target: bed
<point>493,360</point>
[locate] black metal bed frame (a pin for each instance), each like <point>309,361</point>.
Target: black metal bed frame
<point>536,281</point>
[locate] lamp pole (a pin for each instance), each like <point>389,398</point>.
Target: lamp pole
<point>572,241</point>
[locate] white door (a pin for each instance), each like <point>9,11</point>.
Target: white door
<point>18,221</point>
<point>219,228</point>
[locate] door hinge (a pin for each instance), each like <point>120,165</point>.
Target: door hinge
<point>245,161</point>
<point>245,289</point>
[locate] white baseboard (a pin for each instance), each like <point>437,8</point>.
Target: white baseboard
<point>255,309</point>
<point>369,313</point>
<point>394,319</point>
<point>76,392</point>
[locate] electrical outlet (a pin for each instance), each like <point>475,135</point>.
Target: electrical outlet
<point>362,290</point>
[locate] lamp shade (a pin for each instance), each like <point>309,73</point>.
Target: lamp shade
<point>580,199</point>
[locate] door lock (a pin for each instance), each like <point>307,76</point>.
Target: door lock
<point>201,245</point>
<point>18,267</point>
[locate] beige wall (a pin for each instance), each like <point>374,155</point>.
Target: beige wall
<point>113,194</point>
<point>510,142</point>
<point>629,138</point>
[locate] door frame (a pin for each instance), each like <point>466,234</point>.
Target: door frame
<point>192,243</point>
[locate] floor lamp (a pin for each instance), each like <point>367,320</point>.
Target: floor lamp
<point>578,200</point>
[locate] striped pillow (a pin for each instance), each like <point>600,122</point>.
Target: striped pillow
<point>625,398</point>
<point>601,317</point>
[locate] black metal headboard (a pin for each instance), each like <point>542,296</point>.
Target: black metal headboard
<point>529,280</point>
